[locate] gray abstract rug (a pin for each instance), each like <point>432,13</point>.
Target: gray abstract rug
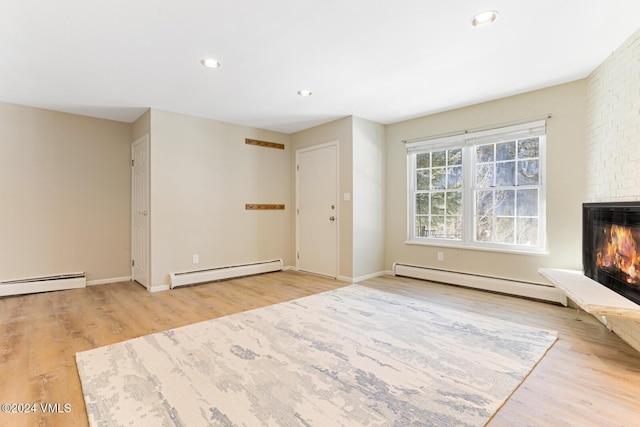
<point>354,356</point>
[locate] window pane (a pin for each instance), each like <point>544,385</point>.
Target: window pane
<point>505,230</point>
<point>484,175</point>
<point>422,226</point>
<point>437,203</point>
<point>439,158</point>
<point>484,228</point>
<point>454,203</point>
<point>484,203</point>
<point>528,172</point>
<point>506,174</point>
<point>437,227</point>
<point>506,151</point>
<point>438,176</point>
<point>454,227</point>
<point>422,180</point>
<point>484,153</point>
<point>423,160</point>
<point>454,177</point>
<point>437,211</point>
<point>528,148</point>
<point>527,232</point>
<point>527,202</point>
<point>455,157</point>
<point>505,203</point>
<point>422,203</point>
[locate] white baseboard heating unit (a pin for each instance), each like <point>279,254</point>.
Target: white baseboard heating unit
<point>43,284</point>
<point>494,284</point>
<point>221,273</point>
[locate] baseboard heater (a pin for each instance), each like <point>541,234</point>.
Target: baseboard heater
<point>488,283</point>
<point>43,284</point>
<point>221,273</point>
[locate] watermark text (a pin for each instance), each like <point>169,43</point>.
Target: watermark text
<point>39,407</point>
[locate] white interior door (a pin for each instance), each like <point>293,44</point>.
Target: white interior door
<point>317,209</point>
<point>140,249</point>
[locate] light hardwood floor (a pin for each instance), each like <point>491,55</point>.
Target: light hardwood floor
<point>589,377</point>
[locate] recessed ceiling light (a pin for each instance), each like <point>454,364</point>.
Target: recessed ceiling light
<point>305,92</point>
<point>484,18</point>
<point>210,62</point>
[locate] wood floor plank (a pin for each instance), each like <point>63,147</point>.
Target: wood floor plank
<point>588,378</point>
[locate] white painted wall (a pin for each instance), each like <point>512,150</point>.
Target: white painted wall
<point>612,161</point>
<point>202,175</point>
<point>368,197</point>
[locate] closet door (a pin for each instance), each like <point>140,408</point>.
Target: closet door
<point>140,247</point>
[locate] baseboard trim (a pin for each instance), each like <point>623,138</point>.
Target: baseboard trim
<point>108,281</point>
<point>223,272</point>
<point>488,283</point>
<point>364,277</point>
<point>349,279</point>
<point>33,285</point>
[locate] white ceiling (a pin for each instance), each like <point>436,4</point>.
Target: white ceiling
<point>381,60</point>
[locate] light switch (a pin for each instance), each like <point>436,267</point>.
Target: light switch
<point>346,197</point>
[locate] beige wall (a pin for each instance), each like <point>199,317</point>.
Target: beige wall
<point>342,131</point>
<point>564,178</point>
<point>141,127</point>
<point>361,175</point>
<point>202,175</point>
<point>65,195</point>
<point>66,208</point>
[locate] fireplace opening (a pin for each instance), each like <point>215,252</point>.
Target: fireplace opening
<point>611,246</point>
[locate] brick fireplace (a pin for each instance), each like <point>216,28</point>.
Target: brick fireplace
<point>612,145</point>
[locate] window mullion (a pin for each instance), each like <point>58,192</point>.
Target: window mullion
<point>468,167</point>
<point>411,195</point>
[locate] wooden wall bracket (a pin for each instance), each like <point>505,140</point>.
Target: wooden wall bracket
<point>264,143</point>
<point>262,207</point>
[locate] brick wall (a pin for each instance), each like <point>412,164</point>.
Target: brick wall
<point>613,141</point>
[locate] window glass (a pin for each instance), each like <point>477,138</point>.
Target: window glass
<point>499,204</point>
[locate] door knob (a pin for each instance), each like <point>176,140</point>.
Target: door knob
<point>332,218</point>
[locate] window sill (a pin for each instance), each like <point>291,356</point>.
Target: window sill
<point>455,245</point>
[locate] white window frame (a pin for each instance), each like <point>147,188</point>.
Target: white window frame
<point>468,141</point>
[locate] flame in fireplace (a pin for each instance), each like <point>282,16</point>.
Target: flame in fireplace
<point>620,253</point>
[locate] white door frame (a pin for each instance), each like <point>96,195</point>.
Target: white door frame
<point>142,140</point>
<point>336,144</point>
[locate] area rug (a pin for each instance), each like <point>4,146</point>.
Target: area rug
<point>354,356</point>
